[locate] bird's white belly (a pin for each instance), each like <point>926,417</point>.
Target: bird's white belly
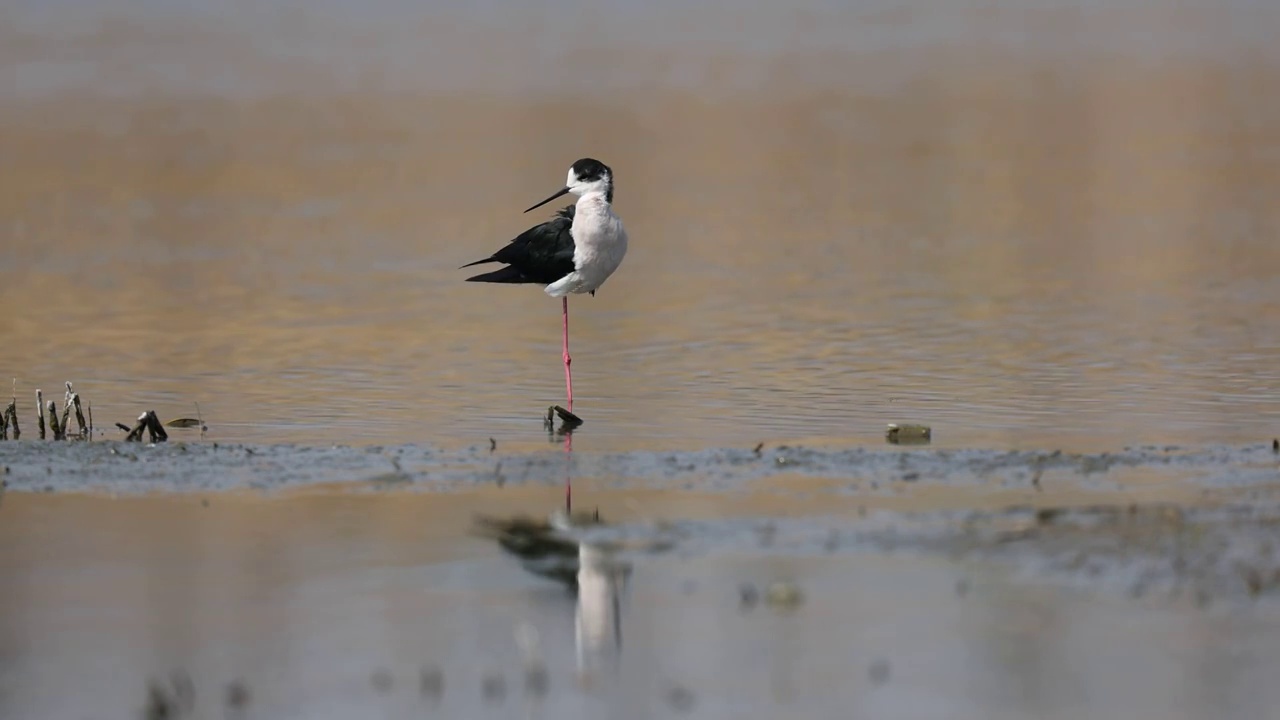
<point>600,244</point>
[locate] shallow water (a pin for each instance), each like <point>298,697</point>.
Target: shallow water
<point>1027,224</point>
<point>1032,225</point>
<point>970,584</point>
<point>334,606</point>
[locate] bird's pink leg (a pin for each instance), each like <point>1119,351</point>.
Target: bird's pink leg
<point>568,385</point>
<point>568,377</point>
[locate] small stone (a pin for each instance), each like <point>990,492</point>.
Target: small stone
<point>238,695</point>
<point>382,680</point>
<point>878,672</point>
<point>784,596</point>
<point>908,434</point>
<point>431,683</point>
<point>748,596</point>
<point>681,699</point>
<point>493,688</point>
<point>536,680</point>
<point>766,533</point>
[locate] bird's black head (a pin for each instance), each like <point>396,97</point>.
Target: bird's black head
<point>590,175</point>
<point>585,176</point>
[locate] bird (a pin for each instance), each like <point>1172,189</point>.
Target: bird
<point>574,252</point>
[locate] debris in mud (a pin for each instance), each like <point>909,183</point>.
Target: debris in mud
<point>73,401</point>
<point>566,416</point>
<point>1260,581</point>
<point>748,596</point>
<point>878,672</point>
<point>237,696</point>
<point>54,425</point>
<point>1275,445</point>
<point>908,434</point>
<point>568,421</point>
<point>681,699</point>
<point>431,683</point>
<point>59,431</point>
<point>46,417</point>
<point>149,422</point>
<point>396,477</point>
<point>765,533</point>
<point>1047,515</point>
<point>382,680</point>
<point>536,680</point>
<point>783,596</point>
<point>186,422</point>
<point>493,688</point>
<point>168,702</point>
<point>47,420</point>
<point>11,413</point>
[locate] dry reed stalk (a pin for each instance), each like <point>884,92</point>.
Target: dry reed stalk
<point>53,421</point>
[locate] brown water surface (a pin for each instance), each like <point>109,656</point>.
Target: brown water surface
<point>1027,224</point>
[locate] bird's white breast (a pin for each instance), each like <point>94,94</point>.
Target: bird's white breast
<point>600,243</point>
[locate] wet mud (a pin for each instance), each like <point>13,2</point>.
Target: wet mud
<point>118,467</point>
<point>1199,524</point>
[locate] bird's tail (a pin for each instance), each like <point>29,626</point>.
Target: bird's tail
<point>507,274</point>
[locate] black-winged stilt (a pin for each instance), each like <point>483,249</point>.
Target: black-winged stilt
<point>574,252</point>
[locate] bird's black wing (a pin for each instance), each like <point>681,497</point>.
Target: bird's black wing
<point>542,254</point>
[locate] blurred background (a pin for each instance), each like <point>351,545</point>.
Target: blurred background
<point>1027,223</point>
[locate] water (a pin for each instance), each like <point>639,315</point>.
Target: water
<point>1021,235</point>
<point>306,602</point>
<point>1031,225</point>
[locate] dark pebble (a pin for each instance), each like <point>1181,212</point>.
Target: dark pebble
<point>536,680</point>
<point>382,680</point>
<point>238,695</point>
<point>493,688</point>
<point>681,699</point>
<point>431,683</point>
<point>879,671</point>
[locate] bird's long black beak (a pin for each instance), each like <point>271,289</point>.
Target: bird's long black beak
<point>561,191</point>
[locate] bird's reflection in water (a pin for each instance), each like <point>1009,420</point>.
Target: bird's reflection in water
<point>568,423</point>
<point>557,549</point>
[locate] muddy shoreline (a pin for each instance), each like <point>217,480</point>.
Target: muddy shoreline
<point>1187,525</point>
<point>130,468</point>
